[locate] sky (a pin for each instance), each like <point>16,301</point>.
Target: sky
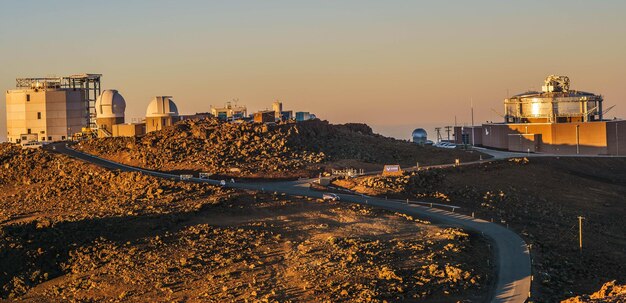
<point>395,65</point>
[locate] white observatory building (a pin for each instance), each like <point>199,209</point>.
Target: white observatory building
<point>161,112</point>
<point>110,107</point>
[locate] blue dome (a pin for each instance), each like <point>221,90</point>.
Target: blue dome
<point>419,136</point>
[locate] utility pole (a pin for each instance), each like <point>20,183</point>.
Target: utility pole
<point>616,141</point>
<point>448,129</point>
<point>577,139</point>
<point>580,233</point>
<point>472,106</point>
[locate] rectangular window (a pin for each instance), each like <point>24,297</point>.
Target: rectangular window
<point>28,131</point>
<point>43,131</point>
<point>39,115</point>
<point>49,138</point>
<point>62,137</point>
<point>27,97</point>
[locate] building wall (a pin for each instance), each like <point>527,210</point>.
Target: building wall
<point>286,115</point>
<point>106,124</point>
<point>496,136</point>
<point>264,117</point>
<point>16,107</point>
<point>524,142</point>
<point>198,116</point>
<point>477,131</point>
<point>616,137</point>
<point>129,130</point>
<point>229,112</point>
<point>51,114</point>
<point>591,139</point>
<point>158,123</point>
<point>76,111</point>
<point>303,116</point>
<point>555,138</point>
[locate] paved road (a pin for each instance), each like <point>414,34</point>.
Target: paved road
<point>512,255</point>
<point>502,154</point>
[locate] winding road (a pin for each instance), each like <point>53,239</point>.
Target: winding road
<point>511,252</point>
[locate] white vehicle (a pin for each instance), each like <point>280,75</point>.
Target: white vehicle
<point>223,182</point>
<point>330,197</point>
<point>32,144</point>
<point>443,144</point>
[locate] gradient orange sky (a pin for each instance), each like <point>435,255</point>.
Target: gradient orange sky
<point>395,65</point>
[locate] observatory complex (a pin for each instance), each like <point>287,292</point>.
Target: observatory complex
<point>61,108</point>
<point>557,120</point>
<point>74,107</point>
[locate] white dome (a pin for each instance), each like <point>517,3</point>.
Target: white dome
<point>110,104</point>
<point>162,106</point>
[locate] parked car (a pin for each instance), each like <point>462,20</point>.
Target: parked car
<point>443,144</point>
<point>223,182</point>
<point>330,197</point>
<point>32,144</point>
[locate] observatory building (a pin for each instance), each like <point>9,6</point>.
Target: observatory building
<point>110,108</point>
<point>161,112</point>
<point>557,120</point>
<point>52,108</point>
<point>556,103</point>
<point>419,136</point>
<point>229,112</point>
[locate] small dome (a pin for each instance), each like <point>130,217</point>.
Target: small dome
<point>162,106</point>
<point>110,104</point>
<point>419,136</point>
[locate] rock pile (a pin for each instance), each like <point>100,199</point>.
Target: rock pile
<point>96,235</point>
<point>42,193</point>
<point>211,146</point>
<point>421,184</point>
<point>392,271</point>
<point>35,182</point>
<point>258,150</point>
<point>610,292</point>
<point>541,199</point>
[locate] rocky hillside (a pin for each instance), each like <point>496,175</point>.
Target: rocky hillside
<point>541,199</point>
<point>257,150</point>
<point>41,193</point>
<point>73,232</point>
<point>609,293</point>
<point>35,182</point>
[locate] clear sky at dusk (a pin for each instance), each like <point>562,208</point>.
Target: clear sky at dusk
<point>395,65</point>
